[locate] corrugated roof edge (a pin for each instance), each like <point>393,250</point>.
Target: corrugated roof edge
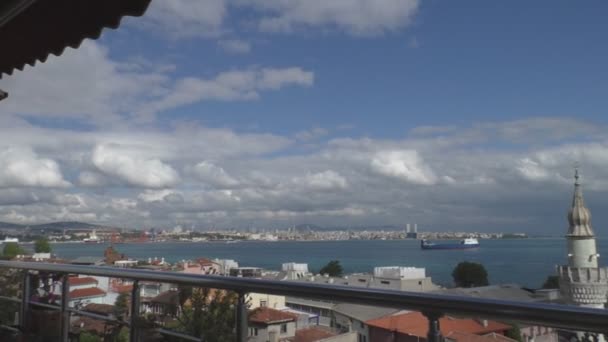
<point>53,38</point>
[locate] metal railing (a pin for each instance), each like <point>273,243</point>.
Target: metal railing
<point>433,306</point>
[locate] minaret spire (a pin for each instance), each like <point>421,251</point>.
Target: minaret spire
<point>582,281</point>
<point>579,216</point>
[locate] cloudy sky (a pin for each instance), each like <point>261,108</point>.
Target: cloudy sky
<point>463,115</point>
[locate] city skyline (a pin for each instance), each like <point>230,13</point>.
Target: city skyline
<point>465,117</point>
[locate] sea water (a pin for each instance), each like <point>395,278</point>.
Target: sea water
<point>526,262</point>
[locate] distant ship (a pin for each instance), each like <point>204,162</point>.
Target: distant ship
<point>92,238</point>
<point>464,244</point>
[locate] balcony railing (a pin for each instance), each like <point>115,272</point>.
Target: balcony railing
<point>433,306</point>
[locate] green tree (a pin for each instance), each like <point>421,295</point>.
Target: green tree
<point>12,249</point>
<point>514,333</point>
<point>121,305</point>
<point>333,269</point>
<point>552,282</point>
<point>123,335</point>
<point>88,337</point>
<point>42,246</point>
<point>10,282</point>
<point>207,313</point>
<point>470,274</point>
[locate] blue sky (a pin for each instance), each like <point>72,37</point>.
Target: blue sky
<point>457,115</point>
<point>455,63</point>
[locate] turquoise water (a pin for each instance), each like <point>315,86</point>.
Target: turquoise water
<point>526,262</point>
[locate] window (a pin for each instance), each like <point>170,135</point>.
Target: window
<point>385,282</point>
<point>263,303</point>
<point>253,331</point>
<point>283,328</point>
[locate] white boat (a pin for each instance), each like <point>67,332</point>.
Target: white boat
<point>7,239</point>
<point>92,238</point>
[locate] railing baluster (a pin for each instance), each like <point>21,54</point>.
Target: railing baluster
<point>434,334</point>
<point>133,329</point>
<point>241,318</point>
<point>65,313</point>
<point>24,310</point>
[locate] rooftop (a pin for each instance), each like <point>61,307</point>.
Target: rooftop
<point>167,298</point>
<point>101,309</point>
<point>77,281</point>
<point>87,293</point>
<point>416,324</point>
<point>312,334</point>
<point>467,337</point>
<point>59,24</point>
<point>363,312</point>
<point>504,291</point>
<point>268,316</point>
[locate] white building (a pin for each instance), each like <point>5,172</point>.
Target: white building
<point>225,265</point>
<point>270,325</point>
<point>582,281</point>
<point>294,270</point>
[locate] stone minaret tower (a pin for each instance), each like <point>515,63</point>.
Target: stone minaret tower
<point>582,282</point>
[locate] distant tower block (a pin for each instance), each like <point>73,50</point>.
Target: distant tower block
<point>582,282</point>
<point>407,228</point>
<point>412,234</point>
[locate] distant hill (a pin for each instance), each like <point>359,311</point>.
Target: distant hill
<point>8,225</point>
<point>63,225</point>
<point>67,225</point>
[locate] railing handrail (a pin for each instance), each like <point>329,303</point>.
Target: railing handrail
<point>552,315</point>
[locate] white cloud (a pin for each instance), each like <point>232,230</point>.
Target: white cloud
<point>235,46</point>
<point>157,195</point>
<point>87,85</point>
<point>186,18</point>
<point>403,164</point>
<point>21,167</point>
<point>84,84</point>
<point>325,181</point>
<point>312,134</point>
<point>237,85</point>
<point>147,173</point>
<point>231,178</point>
<point>214,175</point>
<point>91,179</point>
<point>532,170</point>
<point>271,78</point>
<point>356,17</point>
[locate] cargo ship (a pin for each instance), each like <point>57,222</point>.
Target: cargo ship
<point>463,244</point>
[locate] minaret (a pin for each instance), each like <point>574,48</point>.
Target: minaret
<point>582,282</point>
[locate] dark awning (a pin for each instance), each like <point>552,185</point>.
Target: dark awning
<point>30,30</point>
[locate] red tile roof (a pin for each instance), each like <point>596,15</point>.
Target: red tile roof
<point>77,281</point>
<point>123,288</point>
<point>467,337</point>
<point>205,262</point>
<point>416,324</point>
<point>87,292</point>
<point>267,316</point>
<point>312,334</point>
<point>101,309</point>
